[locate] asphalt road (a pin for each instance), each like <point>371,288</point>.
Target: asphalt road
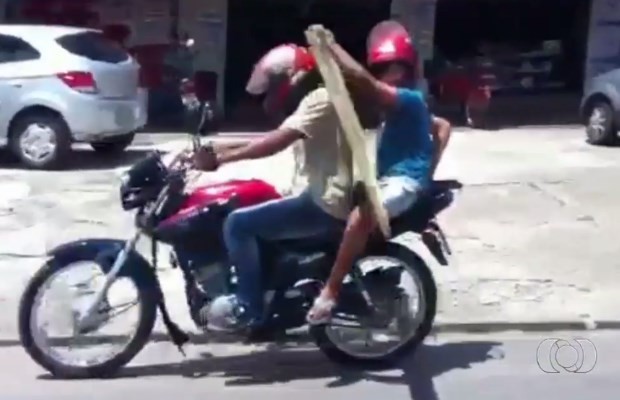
<point>451,367</point>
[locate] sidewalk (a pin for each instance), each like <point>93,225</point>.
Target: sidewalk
<point>534,231</point>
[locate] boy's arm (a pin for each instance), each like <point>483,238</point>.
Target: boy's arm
<point>356,75</point>
<point>441,131</point>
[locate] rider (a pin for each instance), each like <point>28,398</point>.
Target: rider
<point>406,155</point>
<point>284,76</point>
<point>288,79</point>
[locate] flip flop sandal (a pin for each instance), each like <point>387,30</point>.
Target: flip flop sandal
<point>321,312</point>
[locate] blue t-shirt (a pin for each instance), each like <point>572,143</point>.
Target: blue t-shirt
<point>405,146</point>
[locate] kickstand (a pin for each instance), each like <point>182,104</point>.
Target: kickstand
<point>178,337</point>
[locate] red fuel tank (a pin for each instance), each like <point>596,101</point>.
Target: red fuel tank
<point>247,192</point>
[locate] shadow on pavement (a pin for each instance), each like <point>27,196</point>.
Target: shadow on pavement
<point>83,160</point>
<point>282,364</point>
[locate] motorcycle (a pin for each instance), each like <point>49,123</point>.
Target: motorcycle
<point>375,299</point>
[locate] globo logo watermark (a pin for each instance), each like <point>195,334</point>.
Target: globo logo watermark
<point>557,355</point>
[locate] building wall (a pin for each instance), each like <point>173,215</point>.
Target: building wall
<point>206,22</point>
<point>603,38</point>
<point>418,16</point>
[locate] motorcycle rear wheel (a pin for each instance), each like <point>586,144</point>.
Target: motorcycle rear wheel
<point>147,301</point>
<point>415,266</point>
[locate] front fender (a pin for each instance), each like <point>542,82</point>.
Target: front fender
<point>86,248</point>
<point>104,252</point>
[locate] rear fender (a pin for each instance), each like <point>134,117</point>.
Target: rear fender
<point>104,252</point>
<point>396,251</point>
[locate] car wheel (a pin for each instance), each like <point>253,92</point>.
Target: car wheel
<point>600,128</point>
<point>41,140</point>
<point>115,145</point>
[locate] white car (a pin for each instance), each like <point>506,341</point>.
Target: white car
<point>60,85</point>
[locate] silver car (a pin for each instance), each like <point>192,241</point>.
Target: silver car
<point>600,108</point>
<point>60,85</point>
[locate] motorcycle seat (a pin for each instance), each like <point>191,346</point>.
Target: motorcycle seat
<point>432,202</point>
<point>436,199</point>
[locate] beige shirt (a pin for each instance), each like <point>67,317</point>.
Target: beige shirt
<point>326,155</point>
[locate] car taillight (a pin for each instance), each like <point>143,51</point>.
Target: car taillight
<point>80,81</point>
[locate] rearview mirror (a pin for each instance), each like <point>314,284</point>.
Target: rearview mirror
<point>207,122</point>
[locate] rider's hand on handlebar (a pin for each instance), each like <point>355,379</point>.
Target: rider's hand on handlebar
<point>182,159</point>
<point>205,159</point>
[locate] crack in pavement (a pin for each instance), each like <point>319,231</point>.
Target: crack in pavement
<point>518,183</point>
<point>561,202</point>
<point>17,255</point>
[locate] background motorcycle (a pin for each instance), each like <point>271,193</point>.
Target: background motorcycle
<point>372,299</point>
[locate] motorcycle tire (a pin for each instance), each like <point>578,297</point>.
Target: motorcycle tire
<point>416,266</point>
<point>147,298</point>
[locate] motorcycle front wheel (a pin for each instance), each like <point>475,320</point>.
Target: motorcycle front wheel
<point>395,330</point>
<point>59,351</point>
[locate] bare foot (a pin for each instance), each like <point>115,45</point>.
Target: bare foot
<point>321,310</point>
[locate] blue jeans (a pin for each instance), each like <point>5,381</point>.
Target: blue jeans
<point>294,217</point>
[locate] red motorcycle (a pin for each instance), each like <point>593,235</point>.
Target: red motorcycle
<point>386,308</point>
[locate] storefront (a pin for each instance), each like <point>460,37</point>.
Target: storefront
<point>528,46</point>
<point>528,52</point>
<point>525,49</point>
<point>255,26</point>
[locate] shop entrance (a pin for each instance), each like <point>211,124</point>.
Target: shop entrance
<point>531,47</point>
<point>255,26</point>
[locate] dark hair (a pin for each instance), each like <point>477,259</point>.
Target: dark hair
<point>367,111</point>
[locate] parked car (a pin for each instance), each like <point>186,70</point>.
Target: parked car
<point>60,85</point>
<point>600,108</point>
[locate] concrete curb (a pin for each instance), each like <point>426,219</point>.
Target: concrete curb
<point>301,335</point>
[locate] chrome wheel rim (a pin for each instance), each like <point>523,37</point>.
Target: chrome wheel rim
<point>38,142</point>
<point>365,342</point>
<point>597,122</point>
<point>64,344</point>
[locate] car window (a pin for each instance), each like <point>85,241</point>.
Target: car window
<point>94,46</point>
<point>13,49</point>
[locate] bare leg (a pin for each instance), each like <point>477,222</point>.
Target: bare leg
<point>398,194</point>
<point>360,225</point>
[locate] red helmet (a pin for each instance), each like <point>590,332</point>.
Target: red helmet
<point>389,41</point>
<point>276,72</point>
